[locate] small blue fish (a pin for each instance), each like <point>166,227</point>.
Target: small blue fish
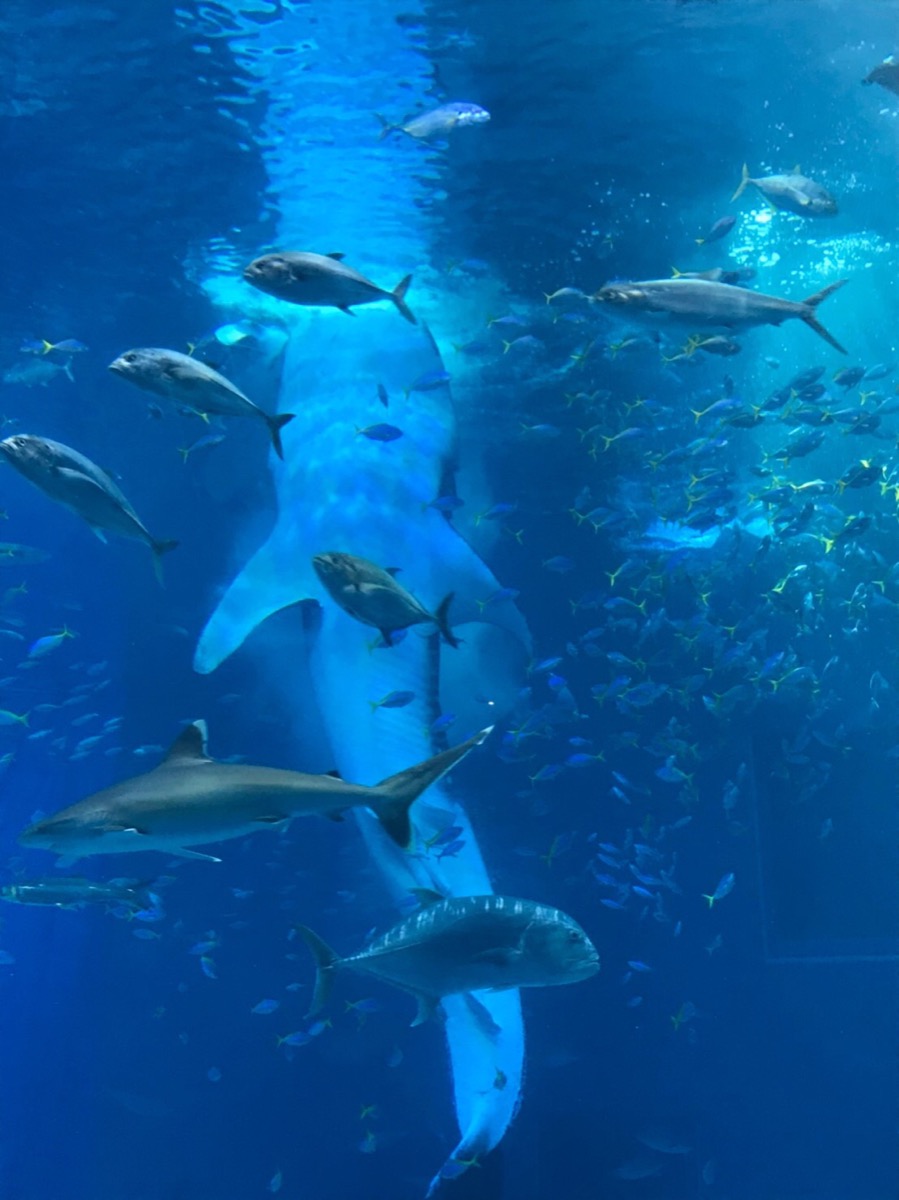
<point>298,1038</point>
<point>451,850</point>
<point>443,722</point>
<point>446,504</point>
<point>430,381</point>
<point>724,888</point>
<point>382,395</point>
<point>636,965</point>
<point>208,967</point>
<point>380,433</point>
<point>264,1007</point>
<point>392,700</point>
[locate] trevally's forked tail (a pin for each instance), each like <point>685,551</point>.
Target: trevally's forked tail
<point>345,493</point>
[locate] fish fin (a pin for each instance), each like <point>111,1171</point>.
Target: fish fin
<point>394,571</point>
<point>98,533</point>
<point>344,308</point>
<point>482,1017</point>
<point>183,852</point>
<point>334,775</point>
<point>160,548</point>
<point>277,423</point>
<point>743,183</point>
<point>393,797</point>
<point>272,819</point>
<point>387,127</point>
<point>808,314</point>
<point>67,371</point>
<point>266,585</point>
<point>326,961</point>
<point>428,1008</point>
<point>498,956</point>
<point>387,635</point>
<point>189,747</point>
<point>699,241</point>
<point>426,897</point>
<point>337,255</point>
<point>398,295</point>
<point>441,616</point>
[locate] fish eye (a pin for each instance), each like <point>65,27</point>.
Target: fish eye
<point>573,935</point>
<point>130,356</point>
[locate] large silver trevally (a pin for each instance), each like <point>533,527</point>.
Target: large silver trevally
<point>71,479</point>
<point>702,302</point>
<point>176,376</point>
<point>437,121</point>
<point>321,281</point>
<point>372,595</point>
<point>465,944</point>
<point>192,800</point>
<point>794,192</point>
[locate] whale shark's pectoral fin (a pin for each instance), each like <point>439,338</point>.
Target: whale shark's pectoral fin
<point>272,579</point>
<point>428,1009</point>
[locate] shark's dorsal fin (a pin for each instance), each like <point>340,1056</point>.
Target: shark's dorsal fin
<point>189,746</point>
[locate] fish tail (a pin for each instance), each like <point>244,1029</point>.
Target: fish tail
<point>160,548</point>
<point>699,241</point>
<point>387,127</point>
<point>743,182</point>
<point>808,314</point>
<point>441,616</point>
<point>326,962</point>
<point>398,295</point>
<point>711,899</point>
<point>393,797</point>
<point>275,425</point>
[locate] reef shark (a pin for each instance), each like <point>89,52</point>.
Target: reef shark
<point>337,491</point>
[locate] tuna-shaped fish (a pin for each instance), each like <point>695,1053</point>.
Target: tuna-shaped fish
<point>321,280</point>
<point>793,192</point>
<point>190,799</point>
<point>185,380</point>
<point>438,121</point>
<point>464,944</point>
<point>71,479</point>
<point>372,595</point>
<point>701,302</point>
<point>77,893</point>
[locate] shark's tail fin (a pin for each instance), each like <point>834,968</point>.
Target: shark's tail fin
<point>326,963</point>
<point>808,315</point>
<point>275,425</point>
<point>394,797</point>
<point>744,181</point>
<point>398,295</point>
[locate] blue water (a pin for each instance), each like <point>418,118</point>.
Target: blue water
<point>735,678</point>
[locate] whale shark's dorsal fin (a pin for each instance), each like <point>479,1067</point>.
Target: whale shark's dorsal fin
<point>189,747</point>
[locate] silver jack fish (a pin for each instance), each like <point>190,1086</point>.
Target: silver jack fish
<point>701,302</point>
<point>464,944</point>
<point>321,280</point>
<point>190,799</point>
<point>186,380</point>
<point>77,893</point>
<point>439,121</point>
<point>73,480</point>
<point>372,595</point>
<point>794,193</point>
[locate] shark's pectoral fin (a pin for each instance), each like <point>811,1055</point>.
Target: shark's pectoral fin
<point>183,852</point>
<point>272,819</point>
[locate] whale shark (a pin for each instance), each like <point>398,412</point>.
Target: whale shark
<point>340,492</point>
